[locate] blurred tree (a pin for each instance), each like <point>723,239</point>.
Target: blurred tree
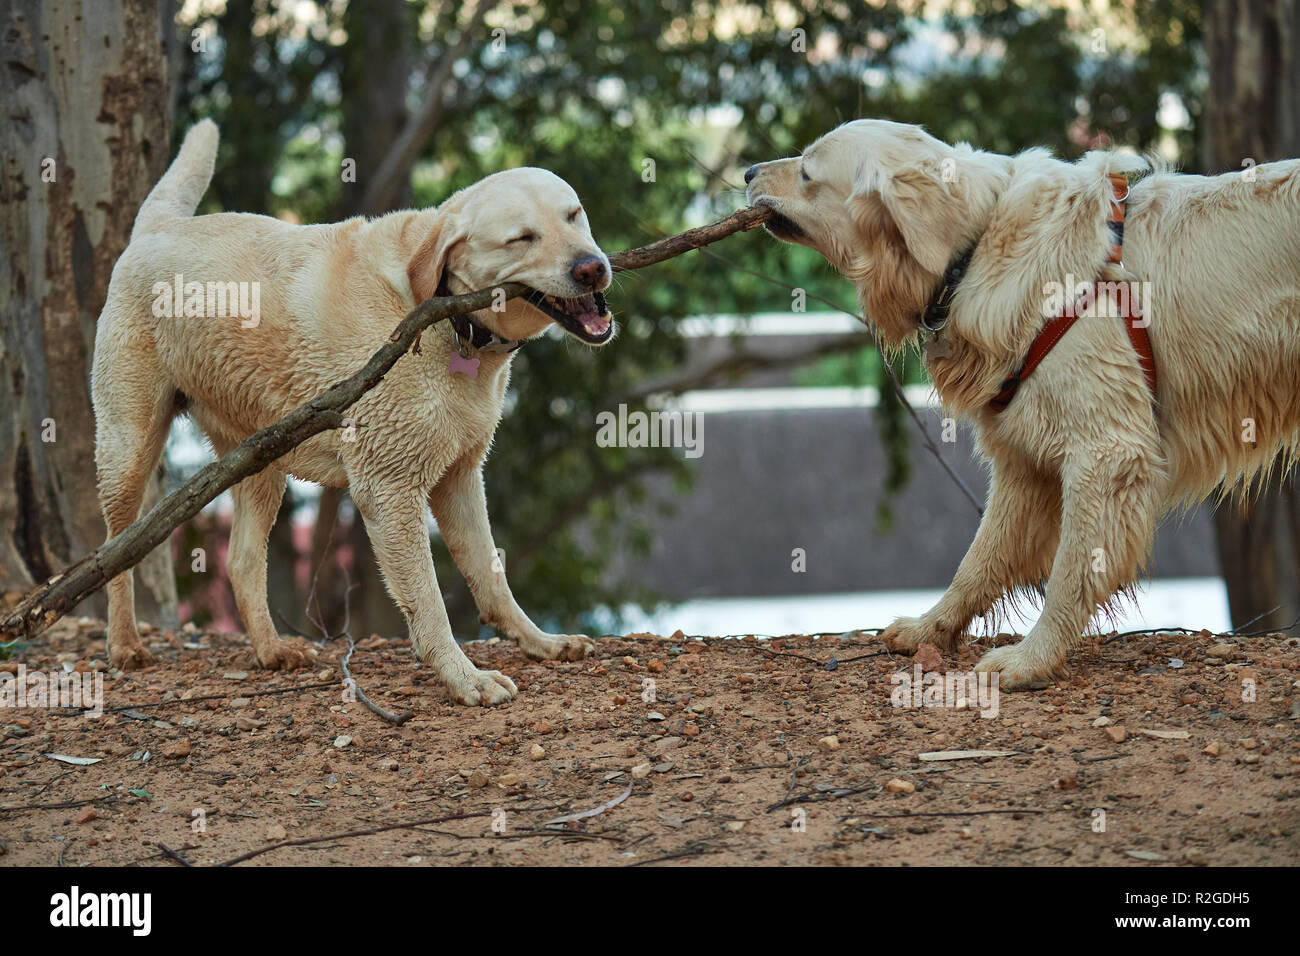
<point>1252,114</point>
<point>85,133</point>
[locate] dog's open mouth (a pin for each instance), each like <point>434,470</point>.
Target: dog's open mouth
<point>585,317</point>
<point>781,227</point>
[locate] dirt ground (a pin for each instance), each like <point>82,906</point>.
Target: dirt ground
<point>753,752</point>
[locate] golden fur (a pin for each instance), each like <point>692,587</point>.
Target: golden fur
<point>1083,465</point>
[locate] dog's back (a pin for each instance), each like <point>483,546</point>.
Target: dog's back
<point>1220,257</point>
<point>248,316</point>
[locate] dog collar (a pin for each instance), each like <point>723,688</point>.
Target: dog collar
<point>935,316</point>
<point>470,336</point>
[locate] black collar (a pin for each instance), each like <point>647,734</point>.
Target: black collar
<point>468,334</point>
<point>935,316</point>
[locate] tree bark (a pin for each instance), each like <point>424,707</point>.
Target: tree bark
<point>86,133</point>
<point>1252,114</point>
<point>374,80</point>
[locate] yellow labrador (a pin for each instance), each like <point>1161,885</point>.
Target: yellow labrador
<point>1084,459</point>
<point>237,319</point>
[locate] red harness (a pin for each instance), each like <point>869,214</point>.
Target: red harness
<point>1057,327</point>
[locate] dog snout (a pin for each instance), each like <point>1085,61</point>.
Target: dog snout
<point>589,271</point>
<point>751,173</point>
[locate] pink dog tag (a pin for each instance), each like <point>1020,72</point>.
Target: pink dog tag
<point>466,366</point>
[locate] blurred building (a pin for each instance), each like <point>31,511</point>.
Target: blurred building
<point>786,491</point>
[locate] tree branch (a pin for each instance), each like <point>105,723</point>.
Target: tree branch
<point>48,602</point>
<point>742,362</point>
<point>401,156</point>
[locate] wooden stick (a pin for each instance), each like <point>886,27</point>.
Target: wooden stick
<point>48,602</point>
<point>370,705</point>
<point>371,831</point>
<point>690,239</point>
<point>175,855</point>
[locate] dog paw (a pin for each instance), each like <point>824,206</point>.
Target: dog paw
<point>482,688</point>
<point>282,655</point>
<point>129,657</point>
<point>1018,668</point>
<point>906,634</point>
<point>557,647</point>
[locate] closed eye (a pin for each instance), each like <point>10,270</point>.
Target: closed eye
<point>526,237</point>
<point>575,214</point>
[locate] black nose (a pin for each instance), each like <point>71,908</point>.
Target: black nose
<point>588,270</point>
<point>751,173</point>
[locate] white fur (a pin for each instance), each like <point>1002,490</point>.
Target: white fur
<point>1083,464</point>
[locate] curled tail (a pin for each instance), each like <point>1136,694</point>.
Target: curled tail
<point>177,194</point>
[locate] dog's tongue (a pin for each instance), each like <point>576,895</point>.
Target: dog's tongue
<point>585,311</point>
<point>593,323</point>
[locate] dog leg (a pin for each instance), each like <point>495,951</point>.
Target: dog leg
<point>1012,548</point>
<point>460,507</point>
<point>130,429</point>
<point>395,523</point>
<point>257,501</point>
<point>1110,501</point>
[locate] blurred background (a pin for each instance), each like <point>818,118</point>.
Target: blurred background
<point>819,502</point>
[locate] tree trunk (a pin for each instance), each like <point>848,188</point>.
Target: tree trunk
<point>250,133</point>
<point>376,75</point>
<point>1252,114</point>
<point>86,132</point>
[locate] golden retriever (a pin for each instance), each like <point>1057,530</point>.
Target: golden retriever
<point>315,302</point>
<point>1084,460</point>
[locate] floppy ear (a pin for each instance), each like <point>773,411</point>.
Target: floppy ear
<point>893,287</point>
<point>430,259</point>
<point>926,212</point>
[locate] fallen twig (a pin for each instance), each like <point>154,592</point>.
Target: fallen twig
<point>72,712</point>
<point>370,705</point>
<point>173,854</point>
<point>608,804</point>
<point>948,813</point>
<point>371,831</point>
<point>1188,631</point>
<point>818,796</point>
<point>62,805</point>
<point>794,780</point>
<point>698,848</point>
